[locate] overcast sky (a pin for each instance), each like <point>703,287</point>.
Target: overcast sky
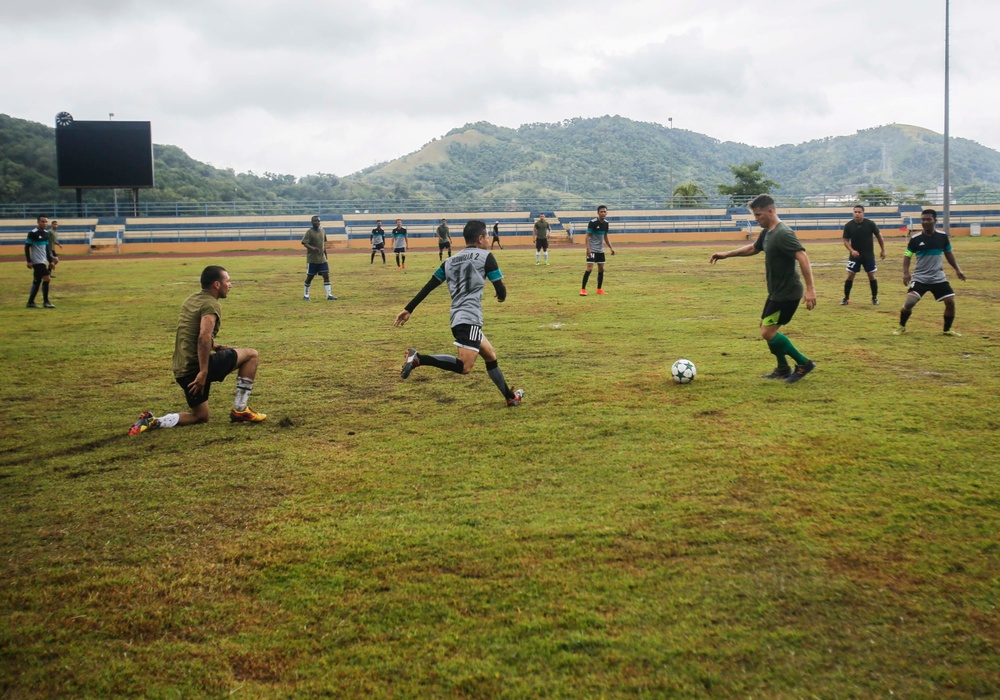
<point>306,86</point>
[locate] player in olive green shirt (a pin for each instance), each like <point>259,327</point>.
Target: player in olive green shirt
<point>444,239</point>
<point>540,234</point>
<point>314,241</point>
<point>782,250</point>
<point>199,361</point>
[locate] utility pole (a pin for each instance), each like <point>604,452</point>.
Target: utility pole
<point>947,179</point>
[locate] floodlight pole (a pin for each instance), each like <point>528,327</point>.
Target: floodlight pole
<point>946,209</point>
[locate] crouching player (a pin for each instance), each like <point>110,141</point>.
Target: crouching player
<point>199,361</point>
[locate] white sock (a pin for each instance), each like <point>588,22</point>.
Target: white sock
<point>243,388</point>
<point>327,288</point>
<point>537,256</point>
<point>307,290</point>
<point>546,256</point>
<point>168,421</point>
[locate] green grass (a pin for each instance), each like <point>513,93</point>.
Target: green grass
<point>615,536</point>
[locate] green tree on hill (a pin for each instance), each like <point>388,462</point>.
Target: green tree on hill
<point>874,197</point>
<point>750,182</point>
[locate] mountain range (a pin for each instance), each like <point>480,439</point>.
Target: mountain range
<point>610,157</point>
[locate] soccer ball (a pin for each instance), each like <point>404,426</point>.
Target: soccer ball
<point>683,371</point>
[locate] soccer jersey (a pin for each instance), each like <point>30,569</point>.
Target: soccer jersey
<point>38,241</point>
<point>315,237</point>
<point>378,235</point>
<point>780,245</point>
<point>466,273</point>
<point>399,237</point>
<point>196,306</point>
<point>443,233</point>
<point>861,236</point>
<point>542,229</point>
<point>596,230</point>
<point>929,251</point>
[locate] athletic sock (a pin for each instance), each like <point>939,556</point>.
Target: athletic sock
<point>948,320</point>
<point>383,257</point>
<point>904,316</point>
<point>306,292</point>
<point>45,292</point>
<point>496,375</point>
<point>34,292</point>
<point>327,288</point>
<point>847,288</point>
<point>778,353</point>
<point>404,259</point>
<point>874,285</point>
<point>168,421</point>
<point>784,346</point>
<point>546,256</point>
<point>243,388</point>
<point>397,259</point>
<point>600,279</point>
<point>445,362</point>
<point>372,261</point>
<point>586,276</point>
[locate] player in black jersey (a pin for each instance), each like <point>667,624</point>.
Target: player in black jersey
<point>858,234</point>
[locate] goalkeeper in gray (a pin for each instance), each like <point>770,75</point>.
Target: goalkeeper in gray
<point>466,274</point>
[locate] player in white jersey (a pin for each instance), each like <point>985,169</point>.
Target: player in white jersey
<point>466,274</point>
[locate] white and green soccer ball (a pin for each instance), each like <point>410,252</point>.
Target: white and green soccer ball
<point>683,371</point>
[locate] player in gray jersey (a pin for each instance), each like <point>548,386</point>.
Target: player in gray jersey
<point>466,274</point>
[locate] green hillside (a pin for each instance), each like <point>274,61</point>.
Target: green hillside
<point>610,158</point>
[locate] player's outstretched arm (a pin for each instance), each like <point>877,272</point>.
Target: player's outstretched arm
<point>740,252</point>
<point>402,317</point>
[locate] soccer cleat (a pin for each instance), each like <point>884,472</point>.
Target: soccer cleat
<point>398,267</point>
<point>537,263</point>
<point>411,362</point>
<point>49,305</point>
<point>601,291</point>
<point>874,301</point>
<point>246,416</point>
<point>404,266</point>
<point>900,330</point>
<point>778,373</point>
<point>516,400</point>
<point>31,305</point>
<point>583,292</point>
<point>305,298</point>
<point>330,297</point>
<point>801,371</point>
<point>546,263</point>
<point>845,301</point>
<point>146,422</point>
<point>953,333</point>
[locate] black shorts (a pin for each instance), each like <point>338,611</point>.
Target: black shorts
<point>220,365</point>
<point>468,336</point>
<point>940,290</point>
<point>399,250</point>
<point>855,264</point>
<point>378,246</point>
<point>778,313</point>
<point>595,257</point>
<point>39,271</point>
<point>541,244</point>
<point>443,244</point>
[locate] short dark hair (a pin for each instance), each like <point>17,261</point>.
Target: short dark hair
<point>929,211</point>
<point>210,275</point>
<point>603,206</point>
<point>473,230</point>
<point>761,201</point>
<point>40,217</point>
<point>859,206</point>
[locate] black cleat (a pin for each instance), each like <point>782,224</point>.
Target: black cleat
<point>778,373</point>
<point>410,363</point>
<point>801,371</point>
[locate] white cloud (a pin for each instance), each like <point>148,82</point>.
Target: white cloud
<point>303,86</point>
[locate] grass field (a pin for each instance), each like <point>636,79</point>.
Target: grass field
<point>615,536</point>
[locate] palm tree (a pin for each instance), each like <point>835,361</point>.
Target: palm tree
<point>689,195</point>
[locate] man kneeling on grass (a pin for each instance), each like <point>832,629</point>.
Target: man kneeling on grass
<point>466,275</point>
<point>199,361</point>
